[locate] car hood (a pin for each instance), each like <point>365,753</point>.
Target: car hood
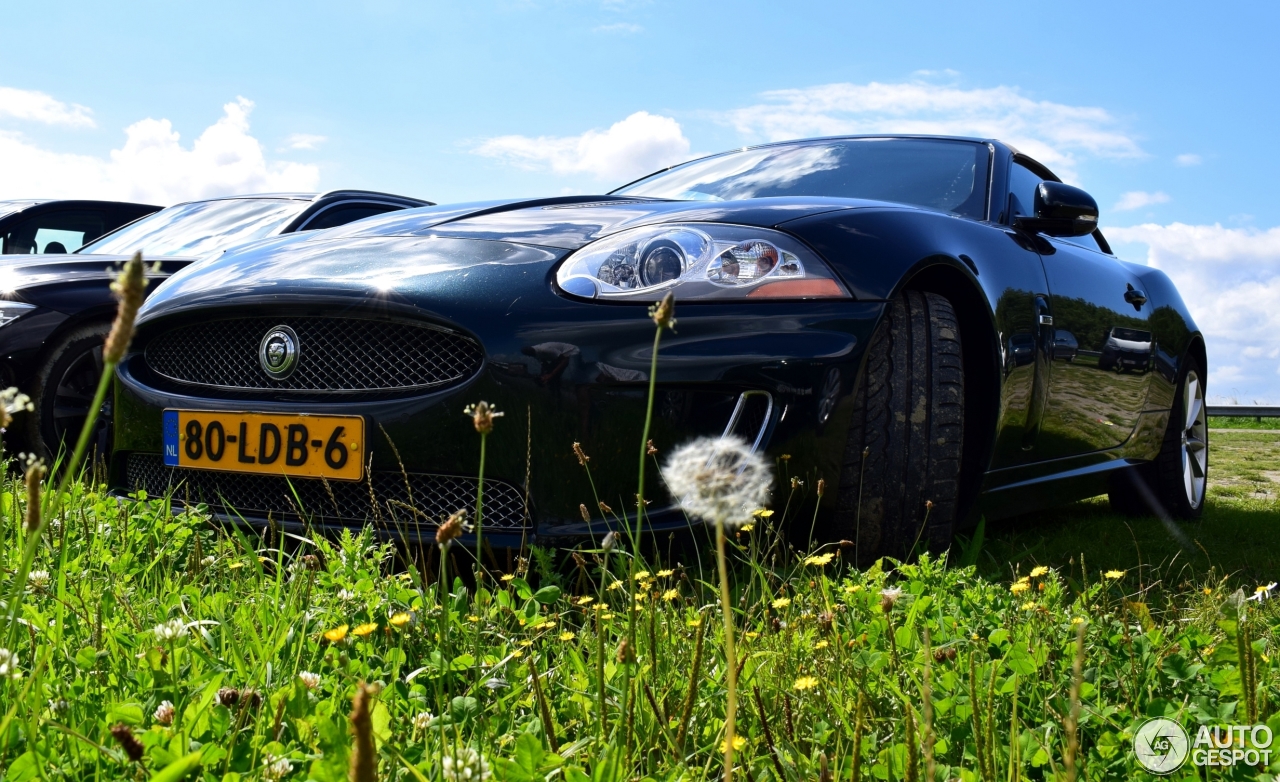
<point>21,274</point>
<point>416,252</point>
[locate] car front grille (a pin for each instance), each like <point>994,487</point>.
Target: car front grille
<point>417,497</point>
<point>335,355</point>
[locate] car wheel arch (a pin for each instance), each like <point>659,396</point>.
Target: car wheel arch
<point>953,279</point>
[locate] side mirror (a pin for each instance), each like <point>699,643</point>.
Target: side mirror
<point>1061,210</point>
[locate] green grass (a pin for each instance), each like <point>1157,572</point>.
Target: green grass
<point>815,640</point>
<point>1243,422</point>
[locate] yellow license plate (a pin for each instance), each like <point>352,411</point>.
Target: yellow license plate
<point>305,446</point>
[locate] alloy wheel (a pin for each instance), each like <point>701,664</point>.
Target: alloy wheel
<point>1195,440</point>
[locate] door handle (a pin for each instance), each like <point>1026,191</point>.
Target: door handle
<point>1135,297</point>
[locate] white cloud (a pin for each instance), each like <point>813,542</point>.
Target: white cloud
<point>1230,280</point>
<point>640,144</point>
<point>1136,199</point>
<point>1188,160</point>
<point>304,141</point>
<point>1053,133</point>
<point>625,28</point>
<point>153,166</point>
<point>39,107</point>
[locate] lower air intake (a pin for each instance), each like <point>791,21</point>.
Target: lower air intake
<point>424,498</point>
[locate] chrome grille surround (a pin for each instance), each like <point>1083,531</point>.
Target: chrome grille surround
<point>337,355</point>
<point>434,497</point>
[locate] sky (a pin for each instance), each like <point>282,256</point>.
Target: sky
<point>1166,112</point>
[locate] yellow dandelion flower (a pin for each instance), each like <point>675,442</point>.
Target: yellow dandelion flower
<point>751,635</point>
<point>616,585</point>
<point>1024,580</point>
<point>762,513</point>
<point>1208,591</point>
<point>694,622</point>
<point>746,527</point>
<point>821,644</point>
<point>365,629</point>
<point>1079,620</point>
<point>517,653</point>
<point>526,643</point>
<point>781,602</point>
<point>400,620</point>
<point>336,634</point>
<point>1114,574</point>
<point>585,600</point>
<point>805,683</point>
<point>738,743</point>
<point>606,617</point>
<point>1038,571</point>
<point>508,576</point>
<point>1029,605</point>
<point>820,559</point>
<point>975,636</point>
<point>852,588</point>
<point>666,573</point>
<point>1018,588</point>
<point>641,575</point>
<point>473,619</point>
<point>235,566</point>
<point>568,635</point>
<point>671,594</point>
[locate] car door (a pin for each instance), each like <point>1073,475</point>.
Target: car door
<point>1095,392</point>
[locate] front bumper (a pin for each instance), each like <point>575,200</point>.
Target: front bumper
<point>562,372</point>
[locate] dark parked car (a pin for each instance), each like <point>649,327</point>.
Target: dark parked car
<point>845,301</point>
<point>46,226</point>
<point>56,307</point>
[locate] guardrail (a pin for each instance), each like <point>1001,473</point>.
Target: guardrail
<point>1246,411</point>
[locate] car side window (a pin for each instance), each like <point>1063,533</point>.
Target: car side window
<point>54,232</point>
<point>341,215</point>
<point>1022,191</point>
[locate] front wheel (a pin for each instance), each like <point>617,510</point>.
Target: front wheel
<point>63,391</point>
<point>900,485</point>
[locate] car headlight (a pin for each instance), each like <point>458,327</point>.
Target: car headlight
<point>703,261</point>
<point>12,310</point>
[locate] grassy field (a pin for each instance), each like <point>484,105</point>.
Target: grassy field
<point>153,644</point>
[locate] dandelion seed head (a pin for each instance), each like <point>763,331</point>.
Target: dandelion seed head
<point>718,480</point>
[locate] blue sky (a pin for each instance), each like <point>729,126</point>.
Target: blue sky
<point>1166,112</point>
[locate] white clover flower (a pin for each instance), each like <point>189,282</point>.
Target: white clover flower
<point>718,479</point>
<point>465,765</point>
<point>58,705</point>
<point>14,401</point>
<point>38,579</point>
<point>168,631</point>
<point>346,594</point>
<point>9,665</point>
<point>421,720</point>
<point>311,680</point>
<point>208,561</point>
<point>164,713</point>
<point>275,767</point>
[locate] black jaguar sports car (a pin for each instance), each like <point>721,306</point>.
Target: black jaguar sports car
<point>55,298</point>
<point>882,310</point>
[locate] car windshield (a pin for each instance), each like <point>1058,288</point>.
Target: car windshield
<point>947,175</point>
<point>199,227</point>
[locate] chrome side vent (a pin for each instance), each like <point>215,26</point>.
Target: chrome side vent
<point>751,417</point>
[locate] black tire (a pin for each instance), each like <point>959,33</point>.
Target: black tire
<point>1172,486</point>
<point>62,390</point>
<point>908,420</point>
